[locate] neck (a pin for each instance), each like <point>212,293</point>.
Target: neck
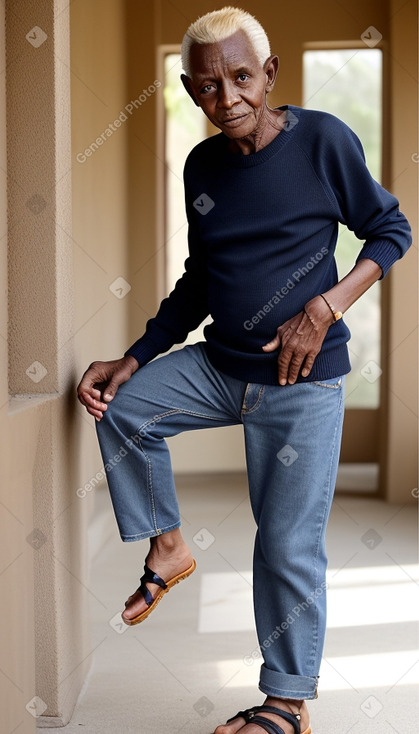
<point>270,126</point>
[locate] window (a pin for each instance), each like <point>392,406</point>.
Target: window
<point>348,84</point>
<point>345,82</point>
<point>185,127</point>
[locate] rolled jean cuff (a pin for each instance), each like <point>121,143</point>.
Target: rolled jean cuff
<point>149,533</point>
<point>283,685</point>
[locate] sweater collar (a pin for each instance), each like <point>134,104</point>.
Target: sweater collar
<point>253,159</point>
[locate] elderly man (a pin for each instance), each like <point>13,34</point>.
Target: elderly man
<point>263,201</point>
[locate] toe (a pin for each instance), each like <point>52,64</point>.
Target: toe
<point>134,606</point>
<point>232,727</point>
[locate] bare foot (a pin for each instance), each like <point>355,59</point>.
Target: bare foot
<point>168,556</point>
<point>293,707</point>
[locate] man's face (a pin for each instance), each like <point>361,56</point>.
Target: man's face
<point>230,85</point>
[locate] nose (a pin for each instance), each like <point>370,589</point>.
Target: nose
<point>227,95</point>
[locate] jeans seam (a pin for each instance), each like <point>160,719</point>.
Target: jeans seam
<point>147,534</point>
<point>332,454</point>
<point>244,410</point>
<point>140,429</point>
<point>157,418</point>
<point>150,488</point>
<point>324,384</point>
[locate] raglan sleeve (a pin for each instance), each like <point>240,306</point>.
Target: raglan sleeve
<point>186,307</point>
<point>367,209</point>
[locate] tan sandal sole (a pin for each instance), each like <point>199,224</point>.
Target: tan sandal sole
<point>175,580</point>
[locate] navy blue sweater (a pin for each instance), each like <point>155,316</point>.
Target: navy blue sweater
<point>262,236</point>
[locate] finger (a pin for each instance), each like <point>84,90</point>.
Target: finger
<point>110,391</point>
<point>92,394</point>
<point>284,360</point>
<point>293,372</point>
<point>117,379</point>
<point>96,414</point>
<point>90,402</point>
<point>308,364</point>
<point>88,387</point>
<point>87,382</point>
<point>272,345</point>
<point>289,364</point>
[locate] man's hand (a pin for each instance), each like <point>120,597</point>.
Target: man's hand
<point>300,339</point>
<point>100,382</point>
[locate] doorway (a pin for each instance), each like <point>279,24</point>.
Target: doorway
<point>329,78</point>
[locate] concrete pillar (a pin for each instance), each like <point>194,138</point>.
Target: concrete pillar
<point>401,467</point>
<point>44,636</point>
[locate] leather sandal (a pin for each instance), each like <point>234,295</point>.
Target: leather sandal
<point>252,716</point>
<point>150,577</point>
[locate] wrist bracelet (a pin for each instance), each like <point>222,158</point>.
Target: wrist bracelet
<point>309,317</point>
<point>336,314</point>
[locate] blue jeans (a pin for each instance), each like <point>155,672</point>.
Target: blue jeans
<point>292,437</point>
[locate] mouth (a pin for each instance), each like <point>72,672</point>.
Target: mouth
<point>233,121</point>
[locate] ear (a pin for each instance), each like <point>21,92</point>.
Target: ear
<point>187,83</point>
<point>270,68</point>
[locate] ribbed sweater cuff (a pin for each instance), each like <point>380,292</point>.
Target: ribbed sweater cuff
<point>383,252</point>
<point>144,350</point>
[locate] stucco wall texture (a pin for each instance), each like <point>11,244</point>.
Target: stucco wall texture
<point>62,251</point>
<point>43,636</point>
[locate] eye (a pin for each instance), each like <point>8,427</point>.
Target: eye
<point>243,77</point>
<point>206,89</point>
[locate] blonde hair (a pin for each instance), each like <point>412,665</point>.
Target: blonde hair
<point>220,24</point>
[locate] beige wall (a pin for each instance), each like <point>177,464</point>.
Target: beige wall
<point>17,647</point>
<point>63,314</point>
<point>50,443</point>
<point>43,528</point>
<point>401,449</point>
<point>100,186</point>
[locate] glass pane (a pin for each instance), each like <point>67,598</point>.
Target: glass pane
<point>348,84</point>
<point>185,128</point>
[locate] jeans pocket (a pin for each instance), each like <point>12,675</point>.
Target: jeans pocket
<point>333,383</point>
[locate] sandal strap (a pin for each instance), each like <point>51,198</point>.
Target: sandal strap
<point>247,714</point>
<point>252,716</point>
<point>150,577</point>
<point>293,719</point>
<point>154,578</point>
<point>267,725</point>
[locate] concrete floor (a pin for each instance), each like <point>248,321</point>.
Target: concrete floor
<point>185,669</point>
